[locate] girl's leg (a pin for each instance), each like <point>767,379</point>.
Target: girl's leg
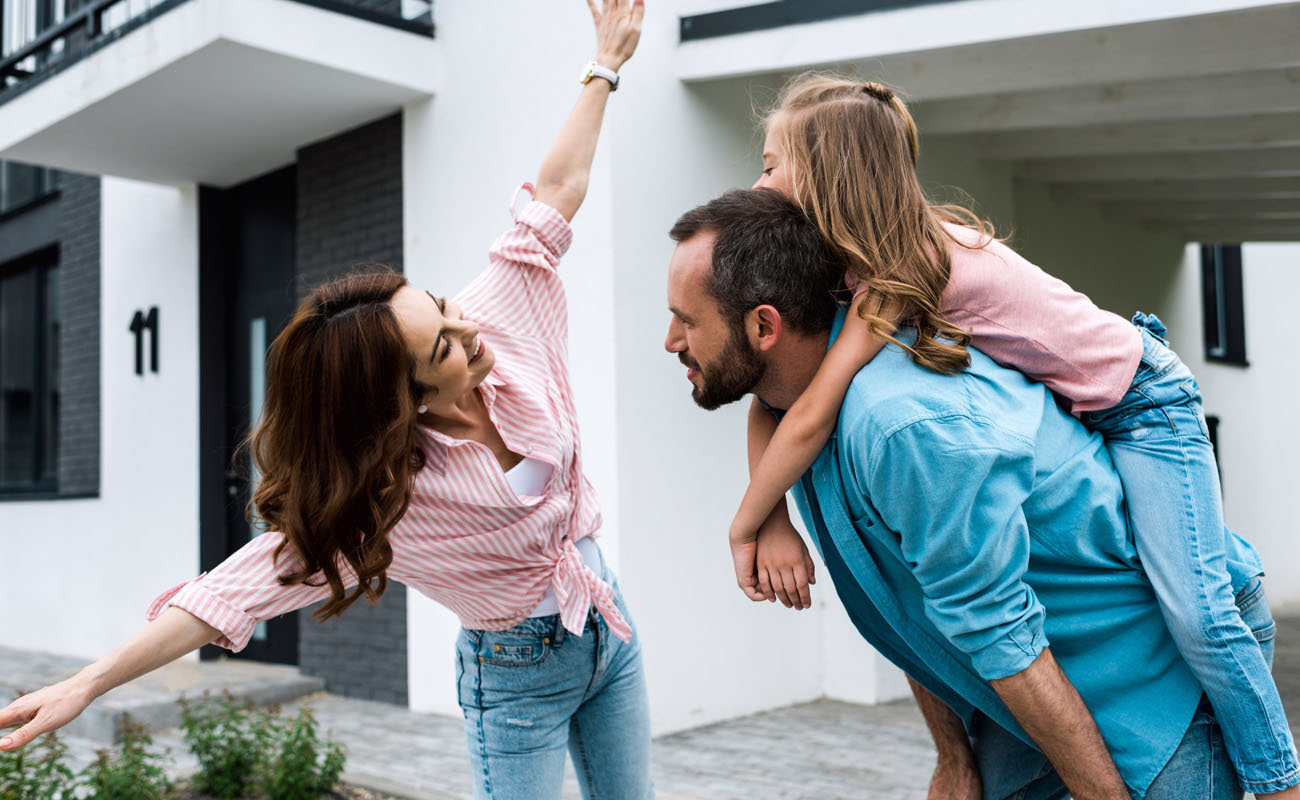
<point>518,690</point>
<point>1159,444</point>
<point>609,736</point>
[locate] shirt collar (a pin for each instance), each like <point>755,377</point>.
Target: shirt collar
<point>436,442</point>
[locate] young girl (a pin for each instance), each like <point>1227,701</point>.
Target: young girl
<point>846,153</point>
<point>434,441</point>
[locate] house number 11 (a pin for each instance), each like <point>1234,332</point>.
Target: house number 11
<point>141,322</point>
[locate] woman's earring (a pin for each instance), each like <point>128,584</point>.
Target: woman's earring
<point>423,409</point>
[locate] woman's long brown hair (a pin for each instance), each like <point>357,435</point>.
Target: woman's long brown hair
<point>336,447</point>
<point>853,148</point>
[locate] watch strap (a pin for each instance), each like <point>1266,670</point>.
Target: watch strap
<point>595,70</point>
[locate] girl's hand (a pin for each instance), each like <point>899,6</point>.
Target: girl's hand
<point>744,548</point>
<point>43,711</point>
<point>784,566</point>
<point>618,29</point>
<point>742,554</point>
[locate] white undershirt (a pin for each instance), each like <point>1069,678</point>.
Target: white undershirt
<point>528,478</point>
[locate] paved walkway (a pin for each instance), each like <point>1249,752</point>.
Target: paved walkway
<point>825,750</point>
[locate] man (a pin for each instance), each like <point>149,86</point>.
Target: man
<point>974,532</point>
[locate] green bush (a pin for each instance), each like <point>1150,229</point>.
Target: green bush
<point>228,740</point>
<point>245,752</point>
<point>35,771</point>
<point>133,774</point>
<point>299,765</point>
<point>241,752</point>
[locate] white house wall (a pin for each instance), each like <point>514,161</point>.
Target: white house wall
<point>1258,438</point>
<point>80,573</point>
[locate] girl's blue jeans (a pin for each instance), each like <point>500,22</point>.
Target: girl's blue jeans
<point>1160,445</point>
<point>535,690</point>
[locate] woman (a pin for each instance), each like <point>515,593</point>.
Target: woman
<point>434,441</point>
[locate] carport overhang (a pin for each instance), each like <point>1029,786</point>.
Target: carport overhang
<point>1181,116</point>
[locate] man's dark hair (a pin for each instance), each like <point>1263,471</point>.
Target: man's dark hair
<point>767,252</point>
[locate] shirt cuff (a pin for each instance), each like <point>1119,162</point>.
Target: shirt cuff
<point>549,225</point>
<point>1013,652</point>
<point>236,625</point>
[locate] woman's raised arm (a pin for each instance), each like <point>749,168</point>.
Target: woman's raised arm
<point>173,634</point>
<point>562,179</point>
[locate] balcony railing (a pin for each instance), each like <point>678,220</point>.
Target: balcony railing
<point>40,37</point>
<point>780,13</point>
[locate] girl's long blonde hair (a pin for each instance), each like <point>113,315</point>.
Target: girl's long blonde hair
<point>852,148</point>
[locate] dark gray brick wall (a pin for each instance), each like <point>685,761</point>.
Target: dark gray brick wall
<point>362,654</point>
<point>79,259</point>
<point>69,222</point>
<point>350,202</point>
<point>350,212</point>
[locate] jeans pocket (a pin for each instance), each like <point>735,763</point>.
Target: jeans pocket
<point>506,649</point>
<point>1252,604</point>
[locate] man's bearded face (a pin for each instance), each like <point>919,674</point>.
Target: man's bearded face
<point>727,377</point>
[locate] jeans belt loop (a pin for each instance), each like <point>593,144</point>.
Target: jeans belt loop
<point>558,637</point>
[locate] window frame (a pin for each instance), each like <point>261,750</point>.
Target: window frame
<point>41,263</point>
<point>46,186</point>
<point>1223,312</point>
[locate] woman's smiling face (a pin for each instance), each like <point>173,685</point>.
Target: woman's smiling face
<point>448,357</point>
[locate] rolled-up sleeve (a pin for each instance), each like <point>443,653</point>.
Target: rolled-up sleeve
<point>521,291</point>
<point>951,489</point>
<point>244,590</point>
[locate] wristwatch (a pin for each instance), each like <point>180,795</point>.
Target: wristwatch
<point>594,70</point>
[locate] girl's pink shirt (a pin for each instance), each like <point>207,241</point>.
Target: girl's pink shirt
<point>1025,319</point>
<point>467,540</point>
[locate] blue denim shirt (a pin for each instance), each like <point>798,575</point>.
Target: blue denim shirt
<point>968,523</point>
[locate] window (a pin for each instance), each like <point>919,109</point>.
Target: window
<point>21,184</point>
<point>1221,297</point>
<point>29,374</point>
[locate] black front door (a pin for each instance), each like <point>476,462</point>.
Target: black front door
<point>248,261</point>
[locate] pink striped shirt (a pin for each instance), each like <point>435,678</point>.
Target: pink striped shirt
<point>467,540</point>
<point>1025,319</point>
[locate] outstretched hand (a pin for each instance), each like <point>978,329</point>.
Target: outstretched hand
<point>618,29</point>
<point>42,711</point>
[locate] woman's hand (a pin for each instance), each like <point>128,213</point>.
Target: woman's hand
<point>43,711</point>
<point>618,29</point>
<point>173,634</point>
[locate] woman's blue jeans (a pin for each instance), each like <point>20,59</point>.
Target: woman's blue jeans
<point>1159,443</point>
<point>535,690</point>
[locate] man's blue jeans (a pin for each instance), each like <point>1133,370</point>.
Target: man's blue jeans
<point>532,691</point>
<point>1158,441</point>
<point>1199,769</point>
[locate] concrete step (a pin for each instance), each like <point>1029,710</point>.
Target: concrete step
<point>152,699</point>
